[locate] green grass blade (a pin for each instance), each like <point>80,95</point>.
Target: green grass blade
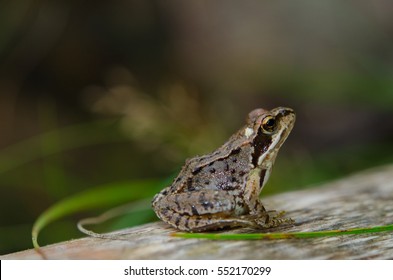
<point>289,235</point>
<point>103,196</point>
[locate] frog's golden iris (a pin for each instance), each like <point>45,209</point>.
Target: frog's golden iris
<point>269,124</point>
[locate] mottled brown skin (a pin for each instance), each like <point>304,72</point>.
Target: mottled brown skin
<point>222,189</point>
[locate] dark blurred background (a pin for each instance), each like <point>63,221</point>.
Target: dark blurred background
<point>94,92</point>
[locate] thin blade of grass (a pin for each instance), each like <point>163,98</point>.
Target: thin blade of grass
<point>288,235</point>
<point>99,197</point>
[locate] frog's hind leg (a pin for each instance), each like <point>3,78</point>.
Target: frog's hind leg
<point>201,223</point>
<point>200,202</point>
<point>215,222</point>
<point>202,211</point>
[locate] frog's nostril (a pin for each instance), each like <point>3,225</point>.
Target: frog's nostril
<point>285,111</point>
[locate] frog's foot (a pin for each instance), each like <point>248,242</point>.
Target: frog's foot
<point>273,219</point>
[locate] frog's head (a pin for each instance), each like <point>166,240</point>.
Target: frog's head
<point>270,130</point>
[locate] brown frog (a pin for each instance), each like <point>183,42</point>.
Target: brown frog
<point>221,189</point>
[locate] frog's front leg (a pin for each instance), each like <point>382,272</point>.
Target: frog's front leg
<point>263,218</point>
<point>201,211</point>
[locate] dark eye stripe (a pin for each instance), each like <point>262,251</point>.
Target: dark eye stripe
<point>261,144</point>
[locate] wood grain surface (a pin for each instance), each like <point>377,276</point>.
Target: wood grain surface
<point>361,200</point>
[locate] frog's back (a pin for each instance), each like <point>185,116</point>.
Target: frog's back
<point>224,169</point>
<point>227,173</point>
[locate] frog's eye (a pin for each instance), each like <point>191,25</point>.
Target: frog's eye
<point>269,124</point>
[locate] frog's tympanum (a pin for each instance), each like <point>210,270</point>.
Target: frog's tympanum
<point>221,189</point>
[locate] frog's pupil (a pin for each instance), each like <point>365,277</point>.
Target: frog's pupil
<point>270,123</point>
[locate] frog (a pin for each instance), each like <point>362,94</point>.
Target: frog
<point>222,189</point>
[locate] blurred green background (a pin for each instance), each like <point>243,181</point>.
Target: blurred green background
<point>101,92</point>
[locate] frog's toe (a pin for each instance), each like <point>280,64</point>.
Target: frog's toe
<point>275,221</point>
<point>276,214</point>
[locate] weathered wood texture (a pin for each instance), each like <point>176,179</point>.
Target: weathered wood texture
<point>361,200</point>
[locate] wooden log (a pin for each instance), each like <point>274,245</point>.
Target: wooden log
<point>362,200</point>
